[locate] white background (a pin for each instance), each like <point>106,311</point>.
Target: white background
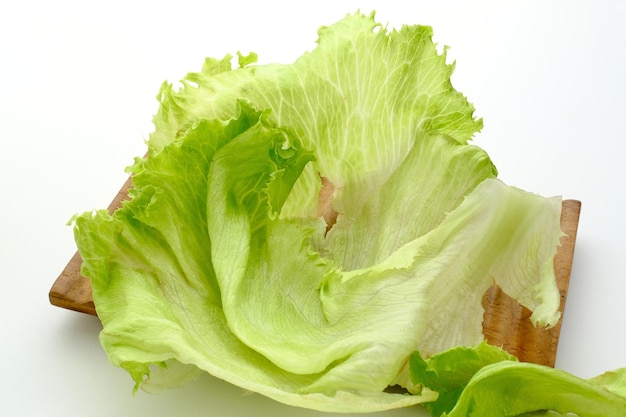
<point>78,81</point>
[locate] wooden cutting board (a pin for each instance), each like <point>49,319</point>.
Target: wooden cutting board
<point>505,324</point>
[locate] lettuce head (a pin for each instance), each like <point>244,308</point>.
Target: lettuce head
<point>300,229</point>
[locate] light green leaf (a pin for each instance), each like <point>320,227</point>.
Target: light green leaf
<point>525,389</point>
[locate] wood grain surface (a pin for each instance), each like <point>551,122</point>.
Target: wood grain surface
<point>505,324</point>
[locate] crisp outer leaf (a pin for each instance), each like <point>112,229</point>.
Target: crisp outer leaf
<point>449,372</point>
<point>161,304</point>
<point>347,323</point>
<point>614,381</point>
<point>486,381</point>
<point>515,389</point>
<point>453,368</point>
<point>357,101</point>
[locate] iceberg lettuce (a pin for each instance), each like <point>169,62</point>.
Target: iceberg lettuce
<point>301,229</point>
<point>485,381</point>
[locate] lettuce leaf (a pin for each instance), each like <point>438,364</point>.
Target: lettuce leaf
<point>484,381</point>
<point>448,373</point>
<point>227,259</point>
